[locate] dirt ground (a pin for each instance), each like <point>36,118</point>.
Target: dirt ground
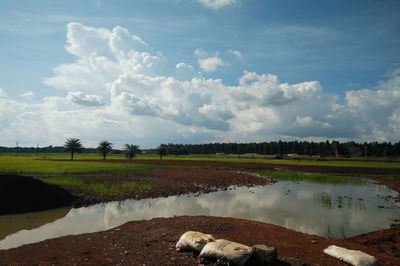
<point>266,166</point>
<point>153,242</point>
<point>172,181</point>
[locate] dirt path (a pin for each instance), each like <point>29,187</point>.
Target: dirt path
<point>153,243</point>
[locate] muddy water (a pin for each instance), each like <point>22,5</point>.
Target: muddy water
<point>326,210</point>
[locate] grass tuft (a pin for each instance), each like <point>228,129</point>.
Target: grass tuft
<point>99,187</point>
<point>312,178</point>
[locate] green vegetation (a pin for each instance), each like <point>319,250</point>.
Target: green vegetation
<point>368,164</point>
<point>130,151</point>
<point>162,151</point>
<point>99,187</point>
<point>104,148</point>
<point>313,178</point>
<point>24,164</point>
<point>73,146</point>
<point>295,148</point>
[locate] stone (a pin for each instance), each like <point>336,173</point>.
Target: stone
<point>264,255</point>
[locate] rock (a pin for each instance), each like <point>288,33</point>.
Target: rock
<point>264,255</point>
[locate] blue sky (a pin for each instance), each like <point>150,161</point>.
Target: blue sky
<point>193,71</point>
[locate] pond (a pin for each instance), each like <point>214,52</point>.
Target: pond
<point>322,209</point>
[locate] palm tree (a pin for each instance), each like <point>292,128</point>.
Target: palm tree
<point>104,148</point>
<point>130,150</point>
<point>162,150</point>
<point>74,146</point>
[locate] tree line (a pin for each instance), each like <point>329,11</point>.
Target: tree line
<point>327,149</point>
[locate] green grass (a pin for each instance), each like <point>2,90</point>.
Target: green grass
<point>312,178</point>
<point>226,158</point>
<point>30,164</point>
<point>99,187</point>
<point>41,163</point>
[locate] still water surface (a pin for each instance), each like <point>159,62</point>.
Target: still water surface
<point>321,209</point>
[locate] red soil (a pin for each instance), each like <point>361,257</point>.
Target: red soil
<point>153,243</point>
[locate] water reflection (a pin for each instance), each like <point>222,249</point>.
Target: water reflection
<point>311,208</point>
<point>10,224</point>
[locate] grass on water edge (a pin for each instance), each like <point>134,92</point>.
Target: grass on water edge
<point>312,178</point>
<point>99,187</point>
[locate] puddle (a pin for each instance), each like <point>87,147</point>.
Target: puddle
<point>321,209</point>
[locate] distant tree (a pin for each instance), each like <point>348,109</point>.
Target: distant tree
<point>73,146</point>
<point>104,148</point>
<point>162,151</point>
<point>130,151</point>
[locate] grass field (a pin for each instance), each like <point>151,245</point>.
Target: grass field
<point>41,163</point>
<point>370,164</point>
<point>31,164</point>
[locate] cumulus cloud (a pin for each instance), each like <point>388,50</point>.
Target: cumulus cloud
<point>211,64</point>
<point>377,110</point>
<point>3,94</point>
<point>184,66</point>
<point>165,97</point>
<point>201,53</point>
<point>304,121</point>
<point>86,100</point>
<point>28,95</point>
<point>116,74</point>
<point>236,53</point>
<point>103,55</point>
<point>216,4</point>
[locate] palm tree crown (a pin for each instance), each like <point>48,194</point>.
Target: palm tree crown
<point>130,150</point>
<point>73,146</point>
<point>104,148</point>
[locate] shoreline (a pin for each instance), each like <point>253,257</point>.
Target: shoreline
<point>153,241</point>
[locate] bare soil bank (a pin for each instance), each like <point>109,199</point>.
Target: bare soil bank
<point>153,243</point>
<point>171,181</point>
<point>264,166</point>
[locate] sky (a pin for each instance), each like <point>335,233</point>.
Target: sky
<point>198,71</point>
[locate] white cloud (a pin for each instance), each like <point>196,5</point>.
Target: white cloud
<point>304,121</point>
<point>28,95</point>
<point>211,64</point>
<point>86,100</point>
<point>103,55</point>
<point>3,94</point>
<point>117,74</point>
<point>216,4</point>
<point>236,53</point>
<point>184,66</point>
<point>201,53</point>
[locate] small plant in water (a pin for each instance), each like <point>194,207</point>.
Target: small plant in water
<point>222,260</point>
<point>342,231</point>
<point>329,233</point>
